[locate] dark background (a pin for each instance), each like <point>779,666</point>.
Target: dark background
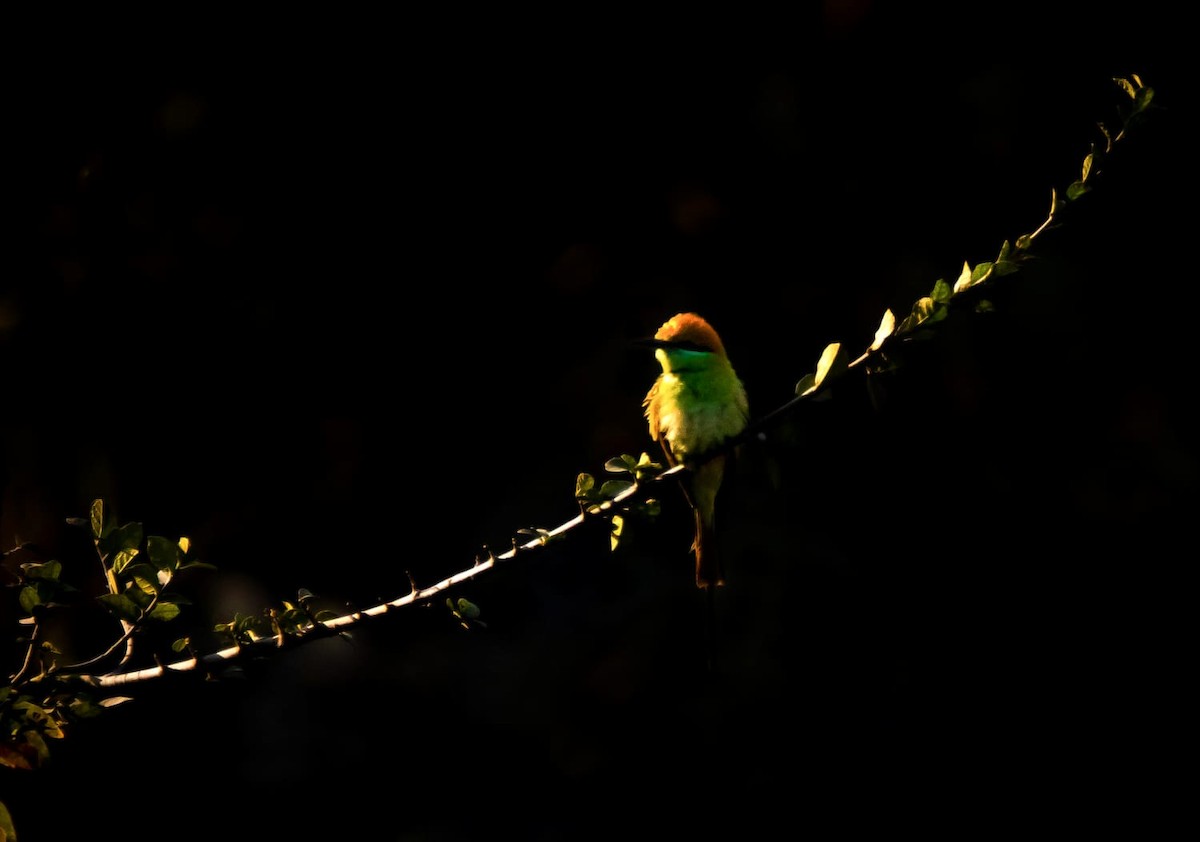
<point>345,299</point>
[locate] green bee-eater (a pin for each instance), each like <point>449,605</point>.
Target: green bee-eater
<point>695,405</point>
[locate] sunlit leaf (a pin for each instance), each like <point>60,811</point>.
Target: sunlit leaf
<point>147,586</point>
<point>98,530</point>
<point>964,278</point>
<point>1024,241</point>
<point>1126,86</point>
<point>122,558</point>
<point>185,545</point>
<point>980,272</point>
<point>886,326</point>
<point>806,384</point>
<point>1087,167</point>
<point>113,701</point>
<point>1077,189</point>
<point>584,483</point>
<point>618,526</point>
<point>833,361</point>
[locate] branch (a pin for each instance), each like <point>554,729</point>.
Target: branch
<point>925,314</point>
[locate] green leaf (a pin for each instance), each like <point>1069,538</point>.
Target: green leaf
<point>30,598</point>
<point>620,464</point>
<point>1024,241</point>
<point>122,558</point>
<point>98,525</point>
<point>611,488</point>
<point>120,606</point>
<point>886,327</point>
<point>1076,190</point>
<point>984,306</point>
<point>49,570</point>
<point>146,584</point>
<point>614,538</point>
<point>980,272</point>
<point>584,483</point>
<point>941,292</point>
<point>165,611</point>
<point>181,645</point>
<point>163,552</point>
<point>1005,267</point>
<point>806,384</point>
<point>467,608</point>
<point>1143,98</point>
<point>127,537</point>
<point>7,832</point>
<point>1005,252</point>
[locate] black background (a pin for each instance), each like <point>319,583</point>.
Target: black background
<point>347,299</point>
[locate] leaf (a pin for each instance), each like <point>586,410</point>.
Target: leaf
<point>618,526</point>
<point>7,832</point>
<point>832,363</point>
<point>30,598</point>
<point>923,310</point>
<point>164,553</point>
<point>941,292</point>
<point>1024,241</point>
<point>1142,100</point>
<point>1077,189</point>
<point>584,483</point>
<point>165,611</point>
<point>613,487</point>
<point>468,609</point>
<point>964,278</point>
<point>181,645</point>
<point>185,545</point>
<point>98,531</point>
<point>121,606</point>
<point>886,327</point>
<point>620,465</point>
<point>146,585</point>
<point>49,570</point>
<point>1126,86</point>
<point>1005,252</point>
<point>980,272</point>
<point>127,537</point>
<point>806,384</point>
<point>984,306</point>
<point>113,701</point>
<point>122,558</point>
<point>13,759</point>
<point>1087,167</point>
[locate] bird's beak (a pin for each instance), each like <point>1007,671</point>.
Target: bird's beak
<point>651,342</point>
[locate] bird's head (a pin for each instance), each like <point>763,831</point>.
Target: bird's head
<point>687,332</point>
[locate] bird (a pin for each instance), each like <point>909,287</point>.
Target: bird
<point>696,404</point>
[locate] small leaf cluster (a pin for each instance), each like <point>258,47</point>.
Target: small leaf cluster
<point>593,500</point>
<point>47,693</point>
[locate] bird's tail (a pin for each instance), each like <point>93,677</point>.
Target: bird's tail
<point>708,561</point>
